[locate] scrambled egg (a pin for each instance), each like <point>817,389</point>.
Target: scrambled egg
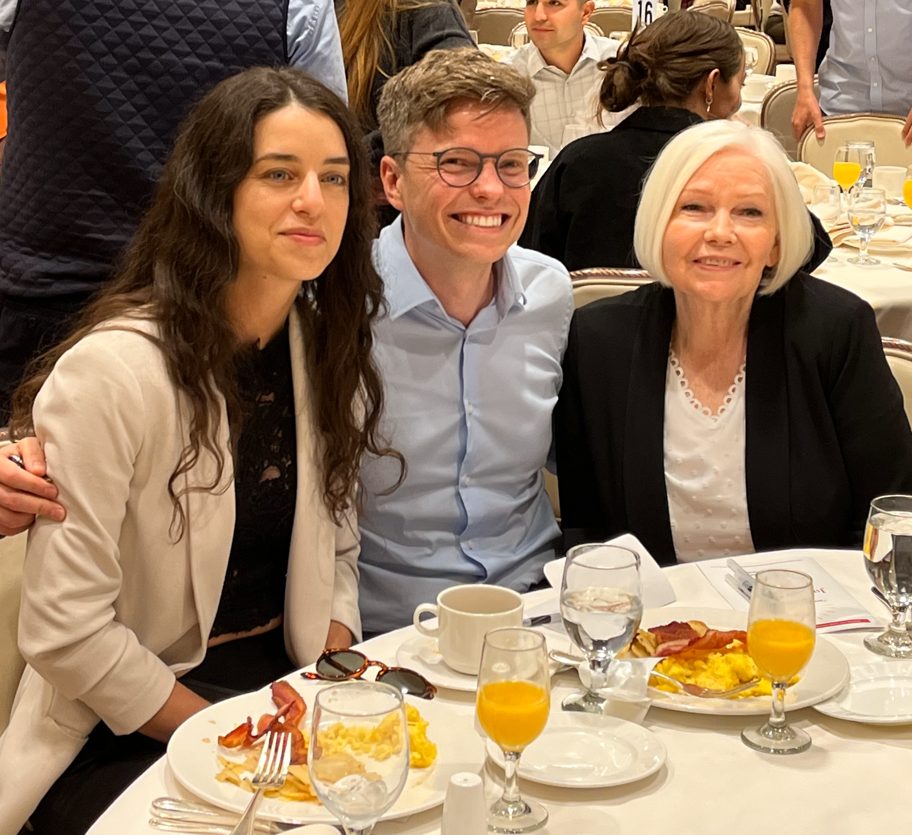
<point>718,669</point>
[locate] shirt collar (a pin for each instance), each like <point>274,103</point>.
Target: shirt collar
<point>590,53</point>
<point>405,289</point>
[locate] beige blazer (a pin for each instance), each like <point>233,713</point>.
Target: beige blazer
<point>112,607</point>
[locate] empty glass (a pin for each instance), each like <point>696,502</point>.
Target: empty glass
<point>867,213</point>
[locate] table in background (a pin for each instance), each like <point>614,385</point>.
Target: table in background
<point>850,781</point>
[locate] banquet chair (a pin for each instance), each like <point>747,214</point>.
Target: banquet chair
<point>721,9</point>
<point>899,358</point>
<point>495,25</point>
<point>596,283</point>
<point>776,114</point>
<point>613,20</point>
<point>12,555</point>
<point>765,46</point>
<point>883,129</point>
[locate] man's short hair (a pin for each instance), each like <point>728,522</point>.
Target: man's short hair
<point>678,162</point>
<point>423,94</point>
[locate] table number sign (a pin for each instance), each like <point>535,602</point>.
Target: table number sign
<point>644,12</point>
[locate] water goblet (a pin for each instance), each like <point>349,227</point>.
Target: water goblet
<point>863,151</point>
<point>888,560</point>
<point>751,57</point>
<point>601,606</point>
<point>826,204</point>
<point>358,782</point>
<point>512,705</point>
<point>867,213</point>
<point>781,632</point>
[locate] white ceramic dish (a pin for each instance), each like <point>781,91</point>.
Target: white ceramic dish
<point>825,675</point>
<point>879,693</point>
<point>194,745</point>
<point>580,751</point>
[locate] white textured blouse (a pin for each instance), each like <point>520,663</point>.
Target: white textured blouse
<point>704,470</point>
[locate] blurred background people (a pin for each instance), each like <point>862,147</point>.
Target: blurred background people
<point>92,127</point>
<point>382,37</point>
<point>737,404</point>
<point>680,70</point>
<point>562,59</point>
<point>867,66</point>
<point>201,430</point>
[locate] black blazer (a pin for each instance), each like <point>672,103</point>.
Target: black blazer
<point>584,206</point>
<point>825,427</point>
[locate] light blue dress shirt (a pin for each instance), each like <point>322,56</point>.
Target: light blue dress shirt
<point>470,409</point>
<point>312,35</point>
<point>868,65</point>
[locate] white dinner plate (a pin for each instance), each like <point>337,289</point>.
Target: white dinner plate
<point>194,745</point>
<point>879,693</point>
<point>825,675</point>
<point>420,653</point>
<point>580,751</point>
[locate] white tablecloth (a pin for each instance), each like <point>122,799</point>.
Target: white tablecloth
<point>851,781</point>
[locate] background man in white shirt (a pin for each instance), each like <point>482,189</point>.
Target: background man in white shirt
<point>868,65</point>
<point>562,61</point>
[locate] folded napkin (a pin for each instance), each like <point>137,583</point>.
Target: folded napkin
<point>892,233</point>
<point>808,177</point>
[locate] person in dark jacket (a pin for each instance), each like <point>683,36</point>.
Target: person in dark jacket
<point>681,69</point>
<point>738,404</point>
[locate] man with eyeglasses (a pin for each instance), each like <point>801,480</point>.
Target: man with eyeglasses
<point>469,347</point>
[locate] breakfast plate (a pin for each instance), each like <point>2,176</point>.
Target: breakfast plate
<point>193,749</point>
<point>825,675</point>
<point>879,693</point>
<point>580,751</point>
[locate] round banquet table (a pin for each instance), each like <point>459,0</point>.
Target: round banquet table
<point>848,782</point>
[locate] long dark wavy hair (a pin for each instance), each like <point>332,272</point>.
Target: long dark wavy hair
<point>184,256</point>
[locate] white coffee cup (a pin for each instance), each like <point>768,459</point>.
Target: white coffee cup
<point>785,72</point>
<point>756,87</point>
<point>464,615</point>
<point>890,178</point>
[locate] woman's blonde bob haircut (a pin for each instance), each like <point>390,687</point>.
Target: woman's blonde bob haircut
<point>678,162</point>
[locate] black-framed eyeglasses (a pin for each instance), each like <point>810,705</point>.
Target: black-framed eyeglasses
<point>344,664</point>
<point>460,167</point>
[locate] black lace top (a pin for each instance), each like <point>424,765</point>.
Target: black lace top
<point>265,479</point>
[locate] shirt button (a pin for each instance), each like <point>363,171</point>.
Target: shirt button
<point>465,481</point>
<point>470,410</point>
<point>870,30</point>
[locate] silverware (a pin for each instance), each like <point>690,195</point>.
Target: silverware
<point>178,815</point>
<point>690,689</point>
<point>901,266</point>
<point>881,597</point>
<point>271,771</point>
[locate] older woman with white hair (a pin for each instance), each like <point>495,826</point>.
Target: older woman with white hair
<point>737,404</point>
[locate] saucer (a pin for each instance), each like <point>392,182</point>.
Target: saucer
<point>421,655</point>
<point>580,751</point>
<point>879,693</point>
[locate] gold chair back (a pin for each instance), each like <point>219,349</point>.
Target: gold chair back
<point>776,114</point>
<point>765,46</point>
<point>899,358</point>
<point>495,25</point>
<point>596,283</point>
<point>881,128</point>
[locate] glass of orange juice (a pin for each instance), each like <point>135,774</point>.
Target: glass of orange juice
<point>907,188</point>
<point>512,705</point>
<point>847,166</point>
<point>781,631</point>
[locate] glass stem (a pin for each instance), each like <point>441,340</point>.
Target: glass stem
<point>777,706</point>
<point>863,246</point>
<point>511,784</point>
<point>598,673</point>
<point>354,830</point>
<point>899,620</point>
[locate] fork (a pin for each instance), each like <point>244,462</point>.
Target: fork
<point>706,692</point>
<point>271,771</point>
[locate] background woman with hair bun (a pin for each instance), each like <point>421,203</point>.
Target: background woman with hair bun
<point>682,69</point>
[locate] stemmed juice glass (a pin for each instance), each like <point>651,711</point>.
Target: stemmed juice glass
<point>601,606</point>
<point>888,560</point>
<point>781,632</point>
<point>907,188</point>
<point>358,782</point>
<point>512,704</point>
<point>847,166</point>
<point>867,214</point>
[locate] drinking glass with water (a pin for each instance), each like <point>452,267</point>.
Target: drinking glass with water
<point>867,214</point>
<point>601,606</point>
<point>888,560</point>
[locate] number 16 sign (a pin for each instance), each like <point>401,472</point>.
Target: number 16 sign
<point>644,12</point>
